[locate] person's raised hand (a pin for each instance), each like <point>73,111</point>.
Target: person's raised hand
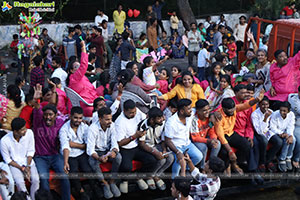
<point>261,94</point>
<point>37,91</point>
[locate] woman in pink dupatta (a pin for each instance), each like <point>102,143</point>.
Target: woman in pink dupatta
<point>78,82</point>
<point>284,75</point>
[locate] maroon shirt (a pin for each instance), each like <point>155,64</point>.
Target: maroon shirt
<point>46,138</point>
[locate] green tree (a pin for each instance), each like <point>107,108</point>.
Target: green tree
<point>269,9</point>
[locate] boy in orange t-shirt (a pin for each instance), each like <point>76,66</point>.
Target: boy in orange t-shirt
<point>202,131</point>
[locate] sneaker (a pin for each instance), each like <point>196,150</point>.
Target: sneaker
<point>107,192</point>
<point>115,190</point>
<point>289,165</point>
<point>142,184</point>
<point>282,166</point>
<point>124,187</point>
<point>271,167</point>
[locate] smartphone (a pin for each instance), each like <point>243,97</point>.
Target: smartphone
<point>185,151</point>
<point>167,153</point>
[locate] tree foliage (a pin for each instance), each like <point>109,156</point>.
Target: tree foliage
<point>269,9</point>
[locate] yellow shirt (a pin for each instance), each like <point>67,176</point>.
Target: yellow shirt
<point>11,113</point>
<point>179,91</point>
<point>119,19</point>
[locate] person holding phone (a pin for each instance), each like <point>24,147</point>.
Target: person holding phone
<point>152,142</point>
<point>177,136</point>
<point>127,138</point>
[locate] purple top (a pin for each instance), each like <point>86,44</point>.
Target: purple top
<point>46,138</point>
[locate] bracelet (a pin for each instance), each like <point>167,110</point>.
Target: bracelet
<point>152,150</point>
<point>177,152</point>
<point>131,138</point>
<point>231,152</point>
<point>38,101</point>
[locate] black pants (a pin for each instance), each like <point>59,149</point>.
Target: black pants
<point>262,143</point>
<point>159,23</point>
<point>241,144</point>
<point>191,57</point>
<point>80,164</point>
<point>239,45</point>
<point>128,155</point>
<point>26,62</point>
<point>276,142</point>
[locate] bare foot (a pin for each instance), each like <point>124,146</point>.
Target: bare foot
<point>296,164</point>
<point>237,169</point>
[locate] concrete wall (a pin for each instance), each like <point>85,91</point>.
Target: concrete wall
<point>58,31</point>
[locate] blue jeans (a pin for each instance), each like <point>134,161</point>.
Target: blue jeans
<point>287,150</point>
<point>194,153</point>
<point>296,156</point>
<point>55,162</point>
<point>203,148</point>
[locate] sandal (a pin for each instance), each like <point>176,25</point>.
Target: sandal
<point>161,184</point>
<point>151,184</point>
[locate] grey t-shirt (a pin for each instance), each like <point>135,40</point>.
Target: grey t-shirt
<point>70,45</point>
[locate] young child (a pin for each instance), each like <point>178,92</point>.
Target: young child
<point>163,81</point>
<point>176,73</point>
<point>26,112</point>
<point>146,73</point>
<point>171,109</point>
<point>194,71</point>
<point>214,78</point>
<point>14,44</point>
<point>231,49</point>
<point>63,102</point>
<point>208,183</point>
<point>203,61</point>
<point>210,38</point>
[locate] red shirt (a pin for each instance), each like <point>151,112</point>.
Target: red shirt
<point>288,11</point>
<point>164,86</point>
<point>243,125</point>
<point>26,115</point>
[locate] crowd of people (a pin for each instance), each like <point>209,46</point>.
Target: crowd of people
<point>205,114</point>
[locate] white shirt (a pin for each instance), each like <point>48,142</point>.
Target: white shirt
<point>62,75</point>
<point>153,136</point>
<point>177,131</point>
<point>206,24</point>
<point>239,32</point>
<point>202,56</point>
<point>22,95</point>
<point>278,125</point>
<point>99,19</point>
<point>12,150</point>
<point>114,108</point>
<point>128,127</point>
<point>260,126</point>
<point>105,34</point>
<point>100,140</point>
<point>67,134</point>
<point>193,40</point>
<point>294,100</point>
<point>149,76</point>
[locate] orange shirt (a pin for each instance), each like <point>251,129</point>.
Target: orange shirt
<point>226,125</point>
<point>200,129</point>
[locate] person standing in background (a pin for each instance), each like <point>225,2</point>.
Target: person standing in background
<point>194,38</point>
<point>174,22</point>
<point>119,17</point>
<point>100,17</point>
<point>157,9</point>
